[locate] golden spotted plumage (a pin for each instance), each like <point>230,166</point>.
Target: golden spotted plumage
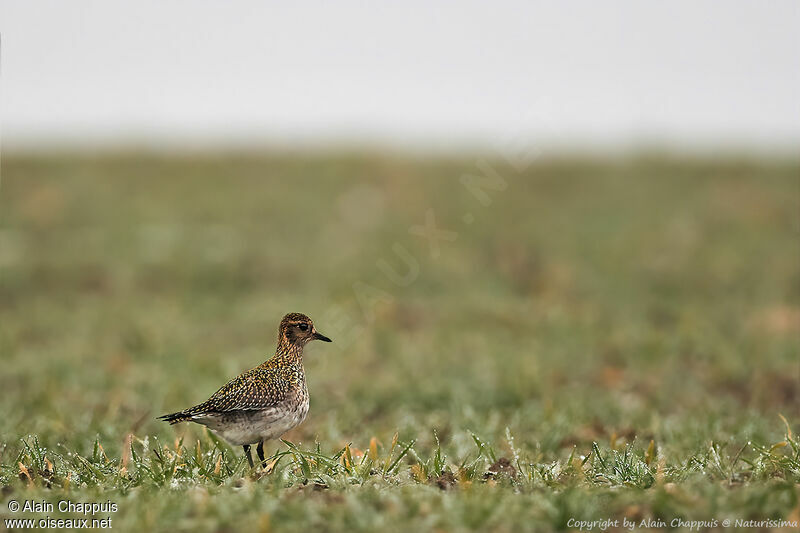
<point>263,402</point>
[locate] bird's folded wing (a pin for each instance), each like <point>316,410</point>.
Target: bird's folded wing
<point>249,391</point>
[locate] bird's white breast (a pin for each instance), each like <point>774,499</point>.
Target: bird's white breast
<point>252,426</point>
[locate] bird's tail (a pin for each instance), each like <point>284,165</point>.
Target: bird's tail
<point>174,418</point>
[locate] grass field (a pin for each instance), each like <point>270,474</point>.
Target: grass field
<point>606,339</point>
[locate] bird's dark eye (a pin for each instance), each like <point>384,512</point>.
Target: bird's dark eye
<point>303,327</point>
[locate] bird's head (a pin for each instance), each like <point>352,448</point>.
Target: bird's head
<point>297,329</point>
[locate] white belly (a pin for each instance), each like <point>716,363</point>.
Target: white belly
<point>251,427</point>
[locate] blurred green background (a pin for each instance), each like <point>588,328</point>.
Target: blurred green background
<point>637,298</point>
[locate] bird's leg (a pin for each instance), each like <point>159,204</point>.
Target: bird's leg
<point>260,452</point>
<point>247,453</point>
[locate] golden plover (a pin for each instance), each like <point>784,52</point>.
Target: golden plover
<point>264,402</point>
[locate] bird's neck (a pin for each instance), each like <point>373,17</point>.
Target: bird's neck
<point>288,353</point>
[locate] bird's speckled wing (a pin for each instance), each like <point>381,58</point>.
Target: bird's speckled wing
<point>259,388</point>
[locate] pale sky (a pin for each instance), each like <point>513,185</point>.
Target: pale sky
<point>420,73</point>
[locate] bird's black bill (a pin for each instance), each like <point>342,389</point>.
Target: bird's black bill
<point>321,337</point>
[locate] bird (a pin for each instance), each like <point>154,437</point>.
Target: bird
<point>264,402</point>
